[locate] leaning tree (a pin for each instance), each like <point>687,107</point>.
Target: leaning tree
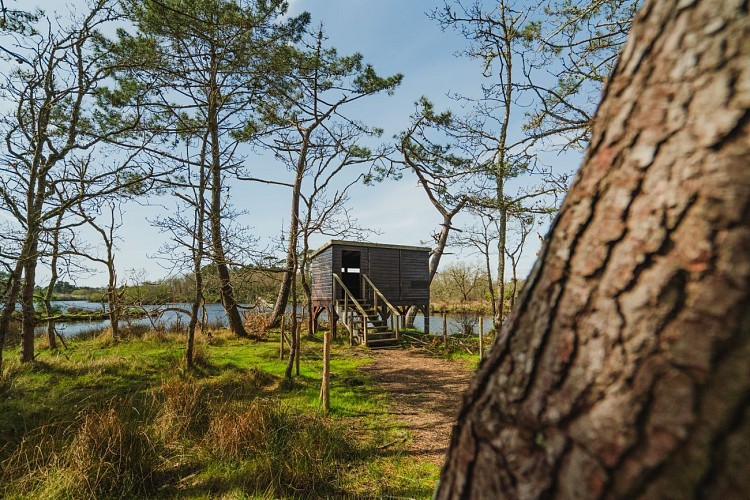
<point>624,370</point>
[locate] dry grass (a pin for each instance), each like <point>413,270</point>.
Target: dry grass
<point>184,410</point>
<point>236,433</point>
<point>280,451</point>
<point>98,455</point>
<point>110,457</point>
<point>33,460</point>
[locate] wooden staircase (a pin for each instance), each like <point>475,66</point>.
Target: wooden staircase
<point>362,319</point>
<point>379,335</point>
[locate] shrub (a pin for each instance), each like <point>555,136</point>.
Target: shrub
<point>257,323</point>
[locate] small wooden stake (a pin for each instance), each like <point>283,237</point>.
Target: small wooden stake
<point>445,327</point>
<point>324,385</point>
<point>481,337</point>
<point>298,352</point>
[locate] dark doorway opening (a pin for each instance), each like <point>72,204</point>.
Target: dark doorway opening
<point>350,271</point>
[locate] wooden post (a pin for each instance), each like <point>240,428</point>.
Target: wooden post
<point>364,328</point>
<point>281,337</point>
<point>351,320</point>
<point>445,327</point>
<point>427,320</point>
<point>324,385</point>
<point>333,319</point>
<point>481,337</point>
<point>298,344</point>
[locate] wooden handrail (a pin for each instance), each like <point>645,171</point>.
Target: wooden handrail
<point>393,310</point>
<point>382,297</point>
<point>351,296</point>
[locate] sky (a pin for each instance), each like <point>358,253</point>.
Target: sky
<point>395,36</point>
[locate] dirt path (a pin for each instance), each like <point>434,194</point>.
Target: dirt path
<point>426,393</point>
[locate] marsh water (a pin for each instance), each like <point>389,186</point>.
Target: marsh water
<point>215,315</point>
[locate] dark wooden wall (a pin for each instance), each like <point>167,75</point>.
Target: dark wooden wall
<point>401,275</point>
<point>415,277</point>
<point>321,271</point>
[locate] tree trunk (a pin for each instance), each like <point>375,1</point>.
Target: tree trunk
<point>219,256</point>
<point>198,254</point>
<point>51,332</point>
<point>490,285</point>
<point>438,251</point>
<point>623,371</point>
<point>11,296</point>
<point>501,245</point>
<point>291,252</point>
<point>294,327</point>
<point>112,298</point>
<point>28,321</point>
<point>194,311</point>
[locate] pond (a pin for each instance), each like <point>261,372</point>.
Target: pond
<point>457,323</point>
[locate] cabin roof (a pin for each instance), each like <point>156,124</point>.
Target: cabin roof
<point>367,245</point>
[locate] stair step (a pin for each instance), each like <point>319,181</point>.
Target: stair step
<point>380,335</point>
<point>382,343</point>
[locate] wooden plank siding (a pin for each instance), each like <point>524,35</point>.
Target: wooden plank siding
<point>321,273</point>
<point>401,273</point>
<point>415,277</point>
<point>384,272</point>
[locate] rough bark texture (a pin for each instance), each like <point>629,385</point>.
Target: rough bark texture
<point>623,372</point>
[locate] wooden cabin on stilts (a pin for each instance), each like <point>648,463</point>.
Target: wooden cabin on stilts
<point>368,287</point>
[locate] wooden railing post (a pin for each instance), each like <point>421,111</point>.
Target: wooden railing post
<point>283,328</point>
<point>364,328</point>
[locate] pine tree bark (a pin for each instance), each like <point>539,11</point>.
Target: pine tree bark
<point>623,371</point>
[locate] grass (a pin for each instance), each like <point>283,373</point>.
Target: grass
<point>125,419</point>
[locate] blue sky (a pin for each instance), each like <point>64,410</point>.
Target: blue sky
<point>396,36</point>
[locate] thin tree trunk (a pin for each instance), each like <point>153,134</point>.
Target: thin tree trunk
<point>198,254</point>
<point>194,311</point>
<point>11,297</point>
<point>294,327</point>
<point>114,305</point>
<point>51,332</point>
<point>623,370</point>
<point>501,167</point>
<point>439,250</point>
<point>291,252</point>
<point>28,321</point>
<point>490,285</point>
<point>219,255</point>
